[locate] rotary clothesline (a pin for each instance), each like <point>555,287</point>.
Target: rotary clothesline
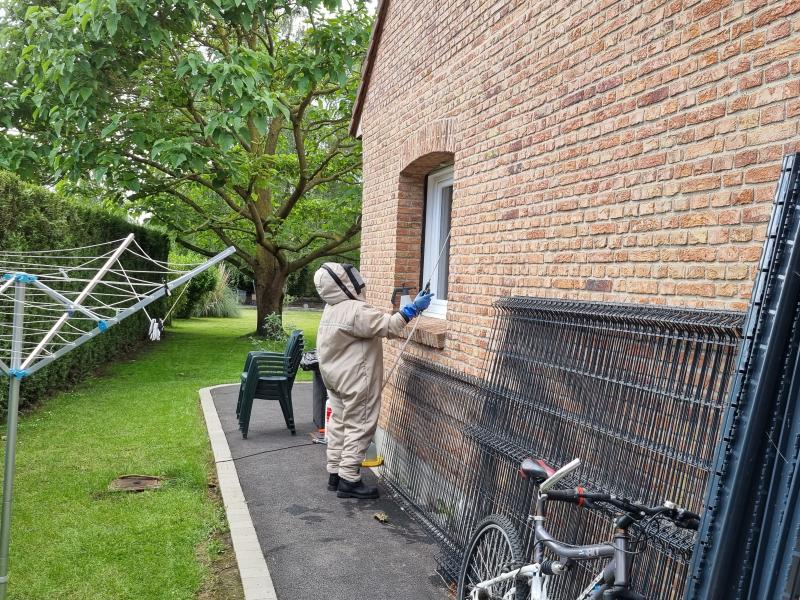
<point>65,297</point>
<point>73,294</point>
<point>79,292</point>
<point>52,301</point>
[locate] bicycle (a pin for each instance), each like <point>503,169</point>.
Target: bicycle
<point>490,568</point>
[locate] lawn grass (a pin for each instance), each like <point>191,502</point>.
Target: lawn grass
<point>72,538</point>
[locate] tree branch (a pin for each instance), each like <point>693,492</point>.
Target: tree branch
<point>308,242</point>
<point>190,177</point>
<point>320,123</point>
<point>333,177</point>
<point>332,247</point>
<point>196,249</point>
<point>211,254</point>
<point>205,42</point>
<point>332,153</point>
<point>216,229</point>
<point>300,150</point>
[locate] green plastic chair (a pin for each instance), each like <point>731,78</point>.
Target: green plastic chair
<point>243,377</point>
<point>270,376</point>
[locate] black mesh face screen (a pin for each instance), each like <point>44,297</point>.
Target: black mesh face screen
<point>355,278</point>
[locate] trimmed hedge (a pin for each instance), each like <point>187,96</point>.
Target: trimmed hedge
<point>36,219</point>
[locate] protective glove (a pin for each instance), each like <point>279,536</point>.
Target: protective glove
<point>421,302</point>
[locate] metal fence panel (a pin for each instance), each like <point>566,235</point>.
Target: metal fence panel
<point>637,392</point>
<point>425,460</point>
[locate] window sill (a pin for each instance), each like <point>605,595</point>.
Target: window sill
<point>429,332</point>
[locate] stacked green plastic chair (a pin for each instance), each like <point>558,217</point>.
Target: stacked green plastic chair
<point>270,376</point>
<point>243,378</point>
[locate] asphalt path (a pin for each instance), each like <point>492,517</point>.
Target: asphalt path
<point>318,546</point>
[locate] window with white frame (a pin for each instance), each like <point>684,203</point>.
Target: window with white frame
<point>436,243</point>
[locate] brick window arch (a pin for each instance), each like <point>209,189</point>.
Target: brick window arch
<point>427,151</point>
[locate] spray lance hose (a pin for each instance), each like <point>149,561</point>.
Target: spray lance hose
<point>416,321</point>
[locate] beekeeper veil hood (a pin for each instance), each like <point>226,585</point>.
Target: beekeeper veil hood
<point>337,282</point>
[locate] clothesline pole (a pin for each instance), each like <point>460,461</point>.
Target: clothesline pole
<point>15,374</point>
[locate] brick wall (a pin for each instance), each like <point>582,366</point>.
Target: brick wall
<point>623,151</point>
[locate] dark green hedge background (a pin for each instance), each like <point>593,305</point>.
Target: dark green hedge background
<point>36,219</point>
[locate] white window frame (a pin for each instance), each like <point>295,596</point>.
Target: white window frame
<point>432,244</point>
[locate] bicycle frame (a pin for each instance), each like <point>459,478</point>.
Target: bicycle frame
<point>615,575</point>
<point>532,571</point>
<point>616,572</point>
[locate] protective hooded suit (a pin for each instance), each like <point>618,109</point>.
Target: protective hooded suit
<point>351,362</point>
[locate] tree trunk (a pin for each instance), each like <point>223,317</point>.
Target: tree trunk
<point>270,280</point>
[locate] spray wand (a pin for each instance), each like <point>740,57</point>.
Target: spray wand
<point>427,290</point>
<point>373,459</point>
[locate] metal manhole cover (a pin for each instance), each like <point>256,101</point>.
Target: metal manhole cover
<point>135,483</point>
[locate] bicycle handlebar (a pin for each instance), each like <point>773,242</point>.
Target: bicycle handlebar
<point>569,496</point>
<point>682,518</point>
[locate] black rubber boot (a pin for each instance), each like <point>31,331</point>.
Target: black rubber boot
<point>333,482</point>
<point>356,489</point>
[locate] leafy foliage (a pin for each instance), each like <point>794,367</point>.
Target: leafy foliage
<point>273,330</point>
<point>209,294</point>
<point>225,119</point>
<point>42,220</point>
<point>222,301</point>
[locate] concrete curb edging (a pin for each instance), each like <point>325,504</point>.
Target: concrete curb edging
<point>253,570</point>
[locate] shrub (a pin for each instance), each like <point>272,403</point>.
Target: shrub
<point>222,301</point>
<point>37,219</point>
<point>276,332</point>
<point>288,299</point>
<point>273,328</point>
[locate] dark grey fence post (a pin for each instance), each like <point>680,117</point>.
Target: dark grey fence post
<point>739,498</point>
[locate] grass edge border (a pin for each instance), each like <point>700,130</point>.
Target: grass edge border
<point>253,571</point>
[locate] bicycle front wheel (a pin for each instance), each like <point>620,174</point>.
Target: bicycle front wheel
<point>495,547</point>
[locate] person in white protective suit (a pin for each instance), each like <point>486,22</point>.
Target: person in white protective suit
<point>351,363</point>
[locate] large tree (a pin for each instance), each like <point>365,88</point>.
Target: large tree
<point>225,119</point>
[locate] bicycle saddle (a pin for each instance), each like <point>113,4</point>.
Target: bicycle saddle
<point>536,470</point>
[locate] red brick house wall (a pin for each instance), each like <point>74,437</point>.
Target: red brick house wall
<point>603,150</point>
